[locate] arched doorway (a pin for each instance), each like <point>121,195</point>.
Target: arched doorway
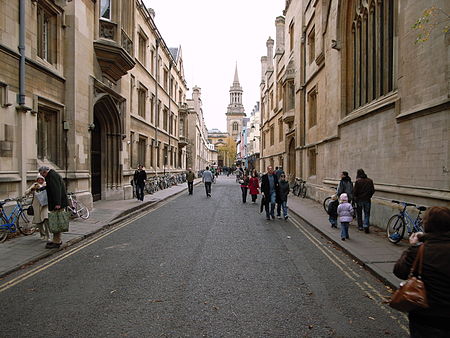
<point>292,159</point>
<point>106,144</point>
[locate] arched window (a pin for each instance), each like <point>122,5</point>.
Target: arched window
<point>235,126</point>
<point>370,50</point>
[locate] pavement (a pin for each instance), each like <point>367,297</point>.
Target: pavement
<point>371,250</point>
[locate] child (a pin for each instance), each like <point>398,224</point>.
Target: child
<point>282,198</point>
<point>332,211</point>
<point>345,212</point>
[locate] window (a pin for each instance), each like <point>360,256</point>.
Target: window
<point>272,135</point>
<point>152,149</point>
<point>312,107</point>
<point>291,36</point>
<point>142,49</point>
<point>152,108</point>
<point>280,130</point>
<point>142,97</point>
<point>312,45</point>
<point>152,62</point>
<point>46,34</point>
<point>158,114</point>
<point>279,91</point>
<point>312,161</point>
<point>165,118</point>
<point>235,127</point>
<point>290,95</point>
<point>264,136</point>
<point>165,155</point>
<point>132,85</point>
<point>158,156</point>
<point>370,56</point>
<point>166,79</point>
<point>271,100</point>
<point>105,9</point>
<point>180,94</point>
<point>132,164</point>
<point>142,147</point>
<point>48,135</point>
<point>4,95</point>
<point>181,127</point>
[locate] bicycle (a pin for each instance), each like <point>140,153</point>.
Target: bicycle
<point>76,208</point>
<point>16,220</point>
<point>299,187</point>
<point>397,224</point>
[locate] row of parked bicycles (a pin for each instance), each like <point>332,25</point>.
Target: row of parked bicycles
<point>18,219</point>
<point>399,224</point>
<point>156,183</point>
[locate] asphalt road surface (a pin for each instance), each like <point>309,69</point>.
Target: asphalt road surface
<point>199,267</point>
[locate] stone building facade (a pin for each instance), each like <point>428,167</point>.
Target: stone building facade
<point>101,93</point>
<point>253,139</point>
<point>200,152</point>
<point>347,87</point>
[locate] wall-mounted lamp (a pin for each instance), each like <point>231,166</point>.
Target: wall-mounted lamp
<point>91,126</point>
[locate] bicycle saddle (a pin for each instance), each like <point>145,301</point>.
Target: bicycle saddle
<point>422,208</point>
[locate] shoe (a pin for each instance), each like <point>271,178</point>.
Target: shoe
<point>360,228</point>
<point>366,230</point>
<point>286,218</point>
<point>51,245</point>
<point>343,238</point>
<point>278,216</point>
<point>333,225</point>
<point>347,237</point>
<point>268,218</point>
<point>273,216</point>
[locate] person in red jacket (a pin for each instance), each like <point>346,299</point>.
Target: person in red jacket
<point>253,186</point>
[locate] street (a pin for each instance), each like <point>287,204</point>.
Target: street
<point>199,267</point>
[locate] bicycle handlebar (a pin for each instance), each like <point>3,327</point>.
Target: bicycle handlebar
<point>406,204</point>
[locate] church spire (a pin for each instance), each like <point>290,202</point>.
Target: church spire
<point>236,77</point>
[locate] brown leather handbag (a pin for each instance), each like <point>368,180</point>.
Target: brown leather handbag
<point>412,294</point>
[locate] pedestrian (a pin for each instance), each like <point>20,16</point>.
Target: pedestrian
<point>279,171</point>
<point>362,194</point>
<point>253,186</point>
<point>57,199</point>
<point>140,176</point>
<point>207,178</point>
<point>345,186</point>
<point>270,188</point>
<point>190,176</point>
<point>244,187</point>
<point>434,320</point>
<point>40,212</point>
<point>283,197</point>
<point>332,211</point>
<point>345,213</point>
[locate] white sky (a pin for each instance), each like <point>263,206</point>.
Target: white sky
<point>214,35</point>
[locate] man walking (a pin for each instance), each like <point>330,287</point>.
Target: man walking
<point>362,194</point>
<point>190,181</point>
<point>140,176</point>
<point>270,188</point>
<point>278,172</point>
<point>57,199</point>
<point>207,178</point>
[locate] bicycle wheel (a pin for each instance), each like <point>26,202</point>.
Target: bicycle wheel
<point>3,232</point>
<point>303,191</point>
<point>82,211</point>
<point>295,189</point>
<point>395,229</point>
<point>24,224</point>
<point>326,202</point>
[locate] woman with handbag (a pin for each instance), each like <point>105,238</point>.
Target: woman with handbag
<point>40,211</point>
<point>434,271</point>
<point>253,186</point>
<point>244,187</point>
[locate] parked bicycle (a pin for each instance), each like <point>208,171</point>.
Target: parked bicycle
<point>299,187</point>
<point>76,208</point>
<point>397,224</point>
<point>17,219</point>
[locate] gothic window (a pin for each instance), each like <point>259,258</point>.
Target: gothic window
<point>142,48</point>
<point>48,135</point>
<point>46,34</point>
<point>105,9</point>
<point>312,107</point>
<point>142,97</point>
<point>142,149</point>
<point>181,127</point>
<point>312,45</point>
<point>370,51</point>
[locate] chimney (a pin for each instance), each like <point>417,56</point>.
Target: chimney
<point>263,68</point>
<point>279,25</point>
<point>269,45</point>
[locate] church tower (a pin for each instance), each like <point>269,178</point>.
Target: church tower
<point>235,111</point>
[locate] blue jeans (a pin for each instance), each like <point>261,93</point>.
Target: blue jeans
<point>333,220</point>
<point>344,229</point>
<point>140,191</point>
<point>271,199</point>
<point>360,207</point>
<point>285,208</point>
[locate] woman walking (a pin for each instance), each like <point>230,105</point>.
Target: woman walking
<point>244,187</point>
<point>253,186</point>
<point>40,217</point>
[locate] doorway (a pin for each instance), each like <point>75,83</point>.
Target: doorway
<point>96,161</point>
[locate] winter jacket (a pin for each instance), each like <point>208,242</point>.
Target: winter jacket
<point>345,212</point>
<point>332,208</point>
<point>253,185</point>
<point>139,177</point>
<point>284,191</point>
<point>40,211</point>
<point>245,182</point>
<point>363,189</point>
<point>265,185</point>
<point>346,186</point>
<point>436,277</point>
<point>56,190</point>
<point>190,176</point>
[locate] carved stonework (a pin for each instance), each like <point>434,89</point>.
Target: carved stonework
<point>107,30</point>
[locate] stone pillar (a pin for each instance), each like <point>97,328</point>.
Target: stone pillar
<point>269,45</point>
<point>279,26</point>
<point>263,68</point>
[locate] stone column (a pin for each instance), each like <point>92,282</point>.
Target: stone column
<point>269,45</point>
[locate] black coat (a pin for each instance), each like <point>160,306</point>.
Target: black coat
<point>284,191</point>
<point>56,190</point>
<point>265,187</point>
<point>139,177</point>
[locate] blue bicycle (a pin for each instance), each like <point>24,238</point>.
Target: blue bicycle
<point>16,220</point>
<point>398,223</point>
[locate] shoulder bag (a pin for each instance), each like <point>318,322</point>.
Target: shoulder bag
<point>412,294</point>
<point>41,196</point>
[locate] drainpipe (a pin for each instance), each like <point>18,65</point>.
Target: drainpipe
<point>21,98</point>
<point>302,107</point>
<point>170,113</point>
<point>156,105</point>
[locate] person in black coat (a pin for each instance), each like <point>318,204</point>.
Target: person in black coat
<point>270,189</point>
<point>57,198</point>
<point>283,197</point>
<point>139,178</point>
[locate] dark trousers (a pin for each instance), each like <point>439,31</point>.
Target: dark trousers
<point>244,194</point>
<point>254,197</point>
<point>363,206</point>
<point>191,187</point>
<point>419,330</point>
<point>208,188</point>
<point>140,191</point>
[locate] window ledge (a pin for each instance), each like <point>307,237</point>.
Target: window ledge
<point>434,106</point>
<point>374,106</point>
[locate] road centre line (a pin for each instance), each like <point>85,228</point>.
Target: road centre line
<point>333,258</point>
<point>70,252</point>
